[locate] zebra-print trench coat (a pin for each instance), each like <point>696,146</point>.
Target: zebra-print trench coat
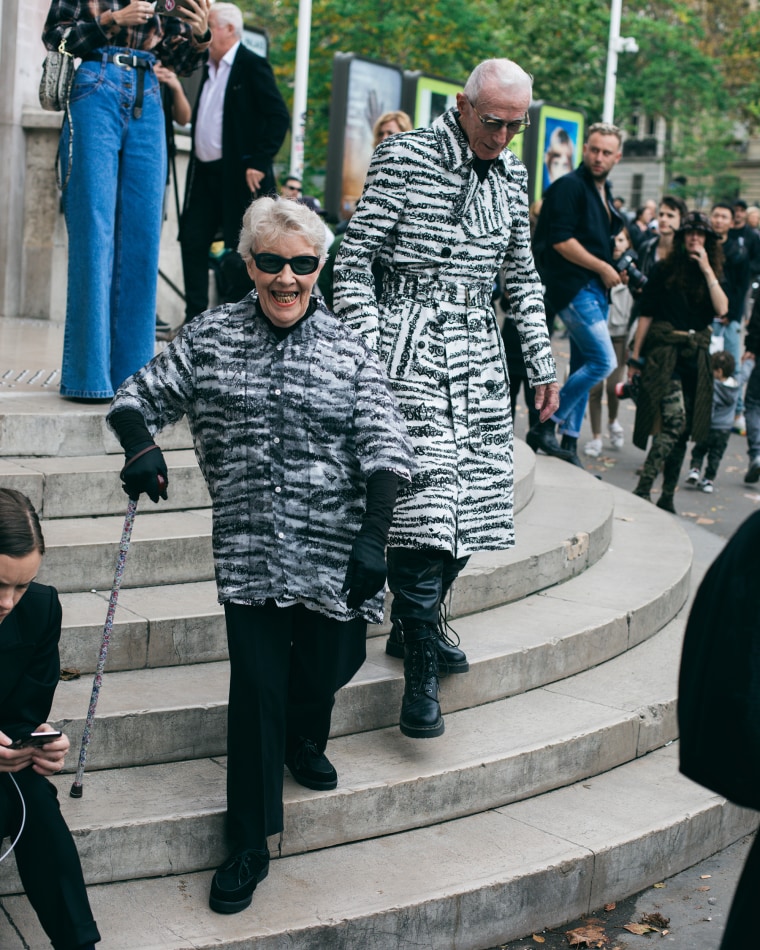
<point>442,237</point>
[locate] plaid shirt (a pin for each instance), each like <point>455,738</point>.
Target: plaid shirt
<point>93,27</point>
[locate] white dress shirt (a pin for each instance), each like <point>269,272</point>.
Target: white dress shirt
<point>208,123</point>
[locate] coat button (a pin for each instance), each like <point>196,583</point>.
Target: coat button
<point>445,252</point>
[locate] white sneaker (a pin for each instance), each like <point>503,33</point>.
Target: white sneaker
<point>593,448</point>
<point>740,425</point>
<point>693,478</point>
<point>616,435</point>
<point>706,486</point>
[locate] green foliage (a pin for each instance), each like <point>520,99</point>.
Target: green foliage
<point>696,57</point>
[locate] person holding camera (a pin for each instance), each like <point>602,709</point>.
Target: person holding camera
<point>113,158</point>
<point>30,628</point>
<point>671,352</point>
<point>573,248</point>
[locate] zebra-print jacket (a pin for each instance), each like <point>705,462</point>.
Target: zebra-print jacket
<point>442,236</point>
<point>286,432</point>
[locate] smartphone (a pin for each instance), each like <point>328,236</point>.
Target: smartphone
<point>35,739</point>
<point>170,8</point>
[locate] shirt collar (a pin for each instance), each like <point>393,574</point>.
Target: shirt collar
<point>455,148</point>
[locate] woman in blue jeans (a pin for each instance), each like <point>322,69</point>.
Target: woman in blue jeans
<point>113,156</point>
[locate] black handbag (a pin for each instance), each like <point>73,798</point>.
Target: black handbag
<point>57,77</point>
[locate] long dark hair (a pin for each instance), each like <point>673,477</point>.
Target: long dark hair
<point>20,531</point>
<point>683,273</point>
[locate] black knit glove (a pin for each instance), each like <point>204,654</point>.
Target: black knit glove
<point>146,472</point>
<point>145,467</point>
<point>366,572</point>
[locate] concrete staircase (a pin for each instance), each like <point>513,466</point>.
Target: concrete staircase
<point>553,790</point>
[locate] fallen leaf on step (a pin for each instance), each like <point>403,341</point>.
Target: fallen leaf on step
<point>661,884</point>
<point>539,939</point>
<point>611,906</point>
<point>705,877</point>
<point>655,920</point>
<point>705,887</point>
<point>70,674</point>
<point>587,937</point>
<point>705,521</point>
<point>640,929</point>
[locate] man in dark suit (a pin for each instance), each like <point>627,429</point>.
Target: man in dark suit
<point>239,123</point>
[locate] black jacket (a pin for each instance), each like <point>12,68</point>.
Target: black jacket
<point>573,208</point>
<point>29,662</point>
<point>719,684</point>
<point>254,126</point>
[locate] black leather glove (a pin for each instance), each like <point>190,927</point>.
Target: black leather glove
<point>366,570</point>
<point>145,467</point>
<point>146,472</point>
<point>366,565</point>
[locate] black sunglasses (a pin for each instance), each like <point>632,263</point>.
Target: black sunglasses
<point>273,263</point>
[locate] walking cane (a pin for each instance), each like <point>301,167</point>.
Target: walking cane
<point>126,534</point>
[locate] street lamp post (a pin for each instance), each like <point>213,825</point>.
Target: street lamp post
<point>301,88</point>
<point>617,44</point>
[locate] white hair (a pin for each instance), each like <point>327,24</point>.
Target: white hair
<point>496,75</point>
<point>228,13</point>
<point>268,219</point>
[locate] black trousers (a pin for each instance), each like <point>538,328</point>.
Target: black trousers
<point>419,580</point>
<point>47,860</point>
<point>201,221</point>
<point>286,664</point>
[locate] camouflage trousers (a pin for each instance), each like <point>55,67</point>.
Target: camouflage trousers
<point>668,447</point>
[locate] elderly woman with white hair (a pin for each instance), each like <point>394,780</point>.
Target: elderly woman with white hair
<point>302,448</point>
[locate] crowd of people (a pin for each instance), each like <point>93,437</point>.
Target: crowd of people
<point>360,433</point>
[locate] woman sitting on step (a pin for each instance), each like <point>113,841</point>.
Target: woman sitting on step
<point>30,628</point>
<point>301,445</point>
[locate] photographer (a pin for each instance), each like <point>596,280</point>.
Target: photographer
<point>671,351</point>
<point>30,621</point>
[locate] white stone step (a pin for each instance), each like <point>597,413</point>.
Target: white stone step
<point>44,424</point>
<point>180,621</point>
<point>168,818</point>
<point>469,884</point>
<point>89,485</point>
<point>148,715</point>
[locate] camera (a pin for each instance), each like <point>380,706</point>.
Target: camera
<point>627,263</point>
<point>629,390</point>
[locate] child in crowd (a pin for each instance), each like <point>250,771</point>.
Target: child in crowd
<point>621,303</point>
<point>726,389</point>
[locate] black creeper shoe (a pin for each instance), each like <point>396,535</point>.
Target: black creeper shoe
<point>235,881</point>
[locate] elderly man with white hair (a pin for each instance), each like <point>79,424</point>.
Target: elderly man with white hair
<point>444,210</point>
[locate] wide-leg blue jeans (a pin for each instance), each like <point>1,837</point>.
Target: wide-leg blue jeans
<point>113,207</point>
<point>593,353</point>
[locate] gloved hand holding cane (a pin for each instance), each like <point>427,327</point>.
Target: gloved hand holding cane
<point>145,467</point>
